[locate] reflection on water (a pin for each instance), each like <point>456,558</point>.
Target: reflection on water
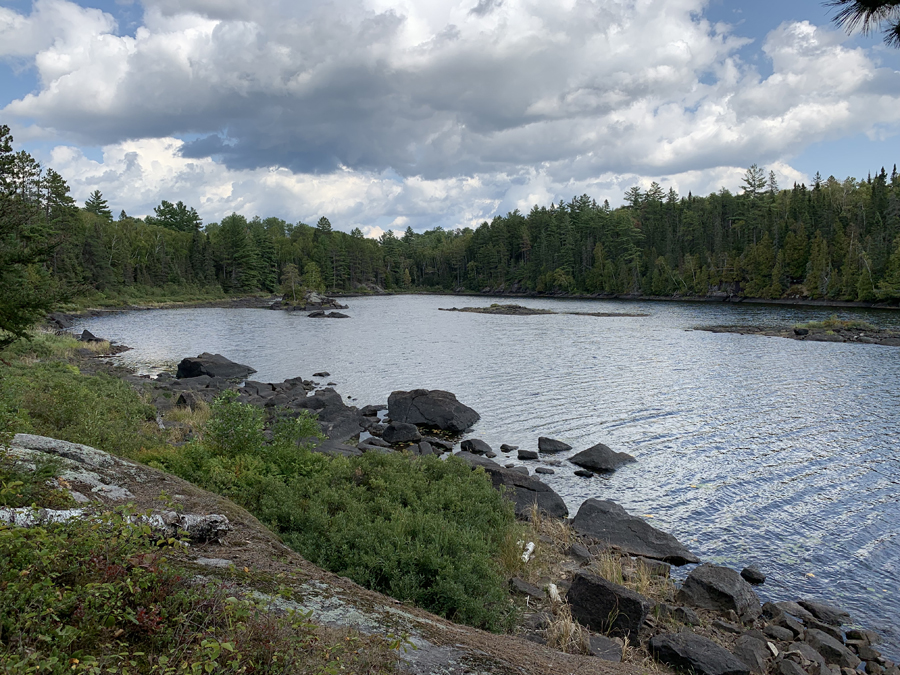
<point>751,449</point>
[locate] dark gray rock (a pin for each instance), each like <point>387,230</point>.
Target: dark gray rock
<point>753,575</point>
<point>524,491</point>
<point>378,442</point>
<point>371,410</point>
<point>509,448</point>
<point>790,623</point>
<point>579,553</point>
<point>549,445</point>
<point>805,655</point>
<point>400,432</point>
<point>722,589</point>
<point>686,615</point>
<point>788,667</point>
<point>425,449</point>
<point>537,621</point>
<point>867,636</point>
<point>519,469</point>
<point>826,613</point>
<point>191,399</point>
<point>832,650</point>
<point>544,470</point>
<point>794,610</point>
<point>609,523</point>
<point>606,649</point>
<point>601,459</point>
<point>439,444</point>
<point>606,607</point>
<point>833,631</point>
<point>779,633</point>
<point>688,651</point>
<point>476,446</point>
<point>527,455</point>
<point>657,568</point>
<point>338,449</point>
<point>316,314</point>
<point>753,652</point>
<point>477,460</point>
<point>336,315</point>
<point>322,373</point>
<point>726,627</point>
<point>521,586</point>
<point>584,473</point>
<point>868,653</point>
<point>435,408</point>
<point>213,365</point>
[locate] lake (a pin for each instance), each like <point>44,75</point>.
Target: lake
<point>750,449</point>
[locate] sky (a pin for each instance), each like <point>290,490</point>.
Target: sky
<point>388,114</point>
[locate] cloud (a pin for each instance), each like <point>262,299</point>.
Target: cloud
<point>135,176</point>
<point>410,105</point>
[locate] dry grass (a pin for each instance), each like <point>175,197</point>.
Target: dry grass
<point>565,634</point>
<point>192,421</point>
<point>634,574</point>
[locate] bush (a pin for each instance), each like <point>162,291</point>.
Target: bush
<point>418,529</point>
<point>100,596</point>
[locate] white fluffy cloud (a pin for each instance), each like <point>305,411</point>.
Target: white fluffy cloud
<point>438,112</point>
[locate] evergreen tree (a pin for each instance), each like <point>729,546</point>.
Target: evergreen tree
<point>97,205</point>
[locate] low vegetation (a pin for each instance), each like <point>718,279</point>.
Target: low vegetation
<point>101,596</point>
<point>833,323</point>
<point>421,530</point>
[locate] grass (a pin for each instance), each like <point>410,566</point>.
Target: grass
<point>146,296</point>
<point>833,323</point>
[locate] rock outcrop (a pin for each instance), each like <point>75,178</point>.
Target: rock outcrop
<point>609,524</point>
<point>601,459</point>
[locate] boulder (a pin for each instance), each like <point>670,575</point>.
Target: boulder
<point>476,446</point>
<point>520,488</point>
<point>601,459</point>
<point>805,655</point>
<point>549,445</point>
<point>691,652</point>
<point>337,315</point>
<point>825,613</point>
<point>505,447</point>
<point>524,455</point>
<point>753,576</point>
<point>794,609</point>
<point>721,589</point>
<point>434,408</point>
<point>832,650</point>
<point>546,471</point>
<point>584,473</point>
<point>213,365</point>
<point>400,432</point>
<point>609,523</point>
<point>606,607</point>
<point>753,652</point>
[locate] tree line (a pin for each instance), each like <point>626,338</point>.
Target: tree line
<point>837,240</point>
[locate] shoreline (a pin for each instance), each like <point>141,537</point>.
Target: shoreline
<point>717,624</point>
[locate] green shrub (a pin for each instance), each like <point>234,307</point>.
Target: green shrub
<point>24,487</point>
<point>101,597</point>
<point>419,529</point>
<point>833,323</point>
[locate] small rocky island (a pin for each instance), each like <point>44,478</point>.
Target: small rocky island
<point>830,330</point>
<point>519,310</point>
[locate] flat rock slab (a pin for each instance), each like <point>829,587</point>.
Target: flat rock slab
<point>720,588</point>
<point>609,523</point>
<point>606,649</point>
<point>431,408</point>
<point>831,649</point>
<point>691,652</point>
<point>601,459</point>
<point>213,365</point>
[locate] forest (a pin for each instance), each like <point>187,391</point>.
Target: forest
<point>834,240</point>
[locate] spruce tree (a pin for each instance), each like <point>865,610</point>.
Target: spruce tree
<point>97,204</point>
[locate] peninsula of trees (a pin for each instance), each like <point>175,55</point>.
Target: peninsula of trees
<point>833,240</point>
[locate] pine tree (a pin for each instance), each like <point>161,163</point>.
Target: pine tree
<point>97,204</point>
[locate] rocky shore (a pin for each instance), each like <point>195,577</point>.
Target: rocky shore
<point>713,623</point>
<point>519,310</point>
<point>864,336</point>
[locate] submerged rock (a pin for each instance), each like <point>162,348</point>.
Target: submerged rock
<point>609,523</point>
<point>601,459</point>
